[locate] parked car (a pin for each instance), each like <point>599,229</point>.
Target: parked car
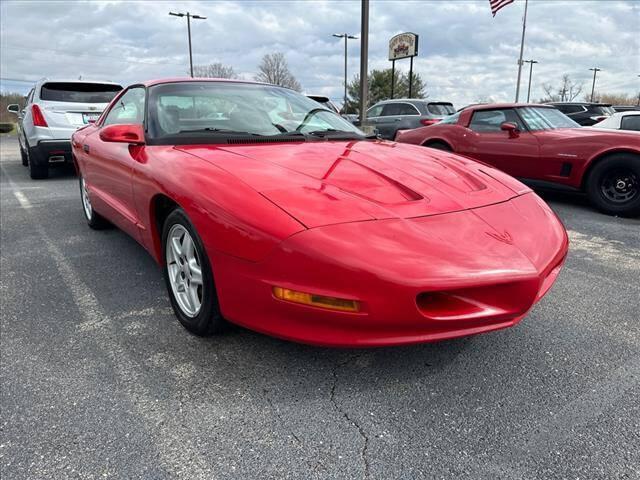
<point>325,102</point>
<point>629,120</point>
<point>585,113</point>
<point>306,229</point>
<point>626,108</point>
<point>54,110</point>
<point>389,116</point>
<point>544,147</point>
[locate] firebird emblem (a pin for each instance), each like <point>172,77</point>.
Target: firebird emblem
<point>502,237</point>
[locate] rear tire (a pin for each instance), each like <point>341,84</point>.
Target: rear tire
<point>440,146</point>
<point>38,172</point>
<point>94,219</point>
<point>189,277</point>
<point>613,185</point>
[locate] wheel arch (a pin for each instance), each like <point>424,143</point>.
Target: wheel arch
<point>600,157</point>
<point>431,141</point>
<point>160,207</point>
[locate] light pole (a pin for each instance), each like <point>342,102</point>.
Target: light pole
<point>364,60</point>
<point>593,86</point>
<point>189,17</point>
<point>530,62</point>
<point>346,37</point>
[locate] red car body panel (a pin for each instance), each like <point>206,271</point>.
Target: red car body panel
<point>537,155</point>
<point>431,244</point>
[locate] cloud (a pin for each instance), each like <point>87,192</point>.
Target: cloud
<point>465,54</point>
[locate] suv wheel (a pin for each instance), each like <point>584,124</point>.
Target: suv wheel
<point>23,156</point>
<point>613,185</point>
<point>38,171</point>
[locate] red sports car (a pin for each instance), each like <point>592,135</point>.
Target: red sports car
<point>544,147</point>
<point>274,213</point>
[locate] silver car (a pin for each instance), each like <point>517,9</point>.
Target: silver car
<point>389,116</point>
<point>54,110</point>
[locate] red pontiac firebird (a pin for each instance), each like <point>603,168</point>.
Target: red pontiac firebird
<point>544,147</point>
<point>271,212</point>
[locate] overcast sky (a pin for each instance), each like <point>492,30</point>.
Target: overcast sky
<point>465,54</point>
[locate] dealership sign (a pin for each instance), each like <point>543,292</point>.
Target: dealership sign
<point>403,45</point>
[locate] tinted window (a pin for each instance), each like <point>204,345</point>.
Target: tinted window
<point>630,122</point>
<point>374,111</point>
<point>603,110</point>
<point>568,109</point>
<point>79,92</point>
<point>128,109</point>
<point>490,120</point>
<point>441,109</point>
<point>540,118</point>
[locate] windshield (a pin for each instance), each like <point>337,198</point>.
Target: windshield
<point>540,118</point>
<point>441,109</point>
<point>76,92</point>
<point>218,109</point>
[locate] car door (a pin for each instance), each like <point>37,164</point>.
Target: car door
<point>389,120</point>
<point>516,154</point>
<point>108,166</point>
<point>373,115</point>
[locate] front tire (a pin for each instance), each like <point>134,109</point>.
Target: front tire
<point>440,146</point>
<point>613,185</point>
<point>189,277</point>
<point>24,157</point>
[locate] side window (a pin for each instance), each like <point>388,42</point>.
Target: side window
<point>407,109</point>
<point>390,109</point>
<point>129,109</point>
<point>374,111</point>
<point>484,121</point>
<point>630,122</point>
<point>30,96</point>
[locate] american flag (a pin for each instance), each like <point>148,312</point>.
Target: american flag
<point>498,4</point>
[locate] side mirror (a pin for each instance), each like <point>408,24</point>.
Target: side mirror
<point>13,108</point>
<point>130,133</point>
<point>510,127</point>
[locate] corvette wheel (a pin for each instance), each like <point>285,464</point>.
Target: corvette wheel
<point>94,220</point>
<point>188,276</point>
<point>613,185</point>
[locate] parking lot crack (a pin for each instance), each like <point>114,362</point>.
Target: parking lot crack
<point>352,421</point>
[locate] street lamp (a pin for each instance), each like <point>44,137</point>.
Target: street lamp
<point>530,62</point>
<point>346,37</point>
<point>595,70</point>
<point>189,17</point>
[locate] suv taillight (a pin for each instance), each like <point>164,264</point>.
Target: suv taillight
<point>429,121</point>
<point>38,117</point>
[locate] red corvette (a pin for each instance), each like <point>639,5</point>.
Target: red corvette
<point>542,146</point>
<point>271,212</point>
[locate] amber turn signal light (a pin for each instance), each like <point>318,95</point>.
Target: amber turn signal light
<point>320,301</point>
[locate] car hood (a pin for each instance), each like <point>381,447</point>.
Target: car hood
<point>329,182</point>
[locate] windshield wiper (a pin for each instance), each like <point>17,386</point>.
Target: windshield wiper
<point>221,130</point>
<point>333,133</point>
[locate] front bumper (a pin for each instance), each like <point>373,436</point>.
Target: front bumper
<point>418,280</point>
<point>51,151</point>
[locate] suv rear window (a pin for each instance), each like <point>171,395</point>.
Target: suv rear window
<point>441,109</point>
<point>603,110</point>
<point>79,92</point>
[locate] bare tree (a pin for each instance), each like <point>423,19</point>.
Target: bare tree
<point>274,69</point>
<point>567,91</point>
<point>214,70</point>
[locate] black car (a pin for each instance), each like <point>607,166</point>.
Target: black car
<point>626,108</point>
<point>585,113</point>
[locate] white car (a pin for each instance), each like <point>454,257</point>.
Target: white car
<point>621,121</point>
<point>54,110</point>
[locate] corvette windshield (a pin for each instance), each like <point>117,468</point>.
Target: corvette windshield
<point>539,118</point>
<point>210,110</point>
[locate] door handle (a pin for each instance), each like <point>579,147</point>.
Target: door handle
<point>85,147</point>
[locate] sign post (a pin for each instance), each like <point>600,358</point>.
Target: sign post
<point>403,45</point>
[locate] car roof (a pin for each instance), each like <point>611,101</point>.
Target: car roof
<point>494,106</point>
<point>159,81</point>
<point>586,104</point>
<point>75,80</point>
<point>409,100</point>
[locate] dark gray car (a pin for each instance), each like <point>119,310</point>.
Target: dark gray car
<point>389,116</point>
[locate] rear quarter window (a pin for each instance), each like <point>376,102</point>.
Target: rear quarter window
<point>630,122</point>
<point>78,92</point>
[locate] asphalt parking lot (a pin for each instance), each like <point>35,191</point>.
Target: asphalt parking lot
<point>99,380</point>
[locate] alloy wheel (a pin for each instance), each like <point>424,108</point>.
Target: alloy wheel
<point>184,270</point>
<point>620,185</point>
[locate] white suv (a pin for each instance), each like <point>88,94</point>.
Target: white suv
<point>54,110</point>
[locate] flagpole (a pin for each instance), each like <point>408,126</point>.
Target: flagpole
<point>524,27</point>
